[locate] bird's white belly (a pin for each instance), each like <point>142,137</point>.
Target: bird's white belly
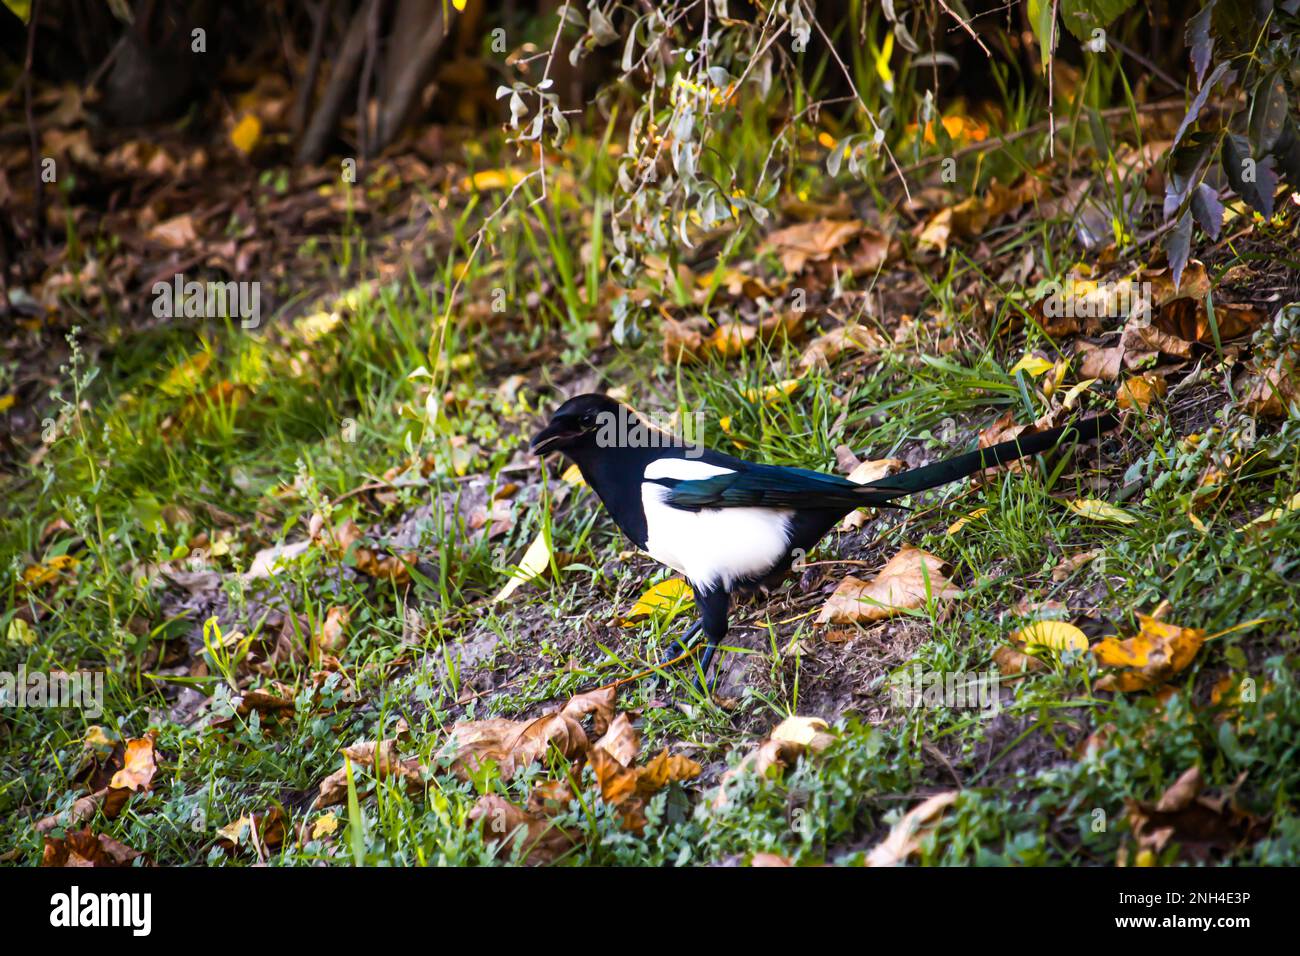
<point>713,546</point>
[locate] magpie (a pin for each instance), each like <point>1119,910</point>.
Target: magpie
<point>724,523</point>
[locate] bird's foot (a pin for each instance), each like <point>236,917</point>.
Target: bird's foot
<point>702,683</point>
<point>671,653</point>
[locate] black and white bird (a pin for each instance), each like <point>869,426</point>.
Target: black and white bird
<point>724,523</point>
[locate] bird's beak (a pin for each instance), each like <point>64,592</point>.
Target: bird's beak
<point>548,437</point>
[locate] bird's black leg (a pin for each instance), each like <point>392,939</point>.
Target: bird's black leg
<point>713,607</point>
<point>678,647</point>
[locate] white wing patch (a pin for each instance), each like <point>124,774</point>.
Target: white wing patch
<point>712,546</point>
<point>683,469</point>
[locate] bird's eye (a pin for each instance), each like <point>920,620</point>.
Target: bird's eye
<point>587,421</point>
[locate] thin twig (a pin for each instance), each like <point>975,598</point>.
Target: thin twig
<point>863,103</point>
<point>1148,63</point>
<point>967,27</point>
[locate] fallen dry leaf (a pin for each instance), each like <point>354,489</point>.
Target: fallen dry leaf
<point>972,215</point>
<point>874,470</point>
<point>1185,789</point>
<point>1204,828</point>
<point>501,821</point>
<point>788,741</point>
<point>629,788</point>
<point>531,566</point>
<point>47,572</point>
<point>381,757</point>
<point>1149,658</point>
<point>1188,319</point>
<point>682,341</point>
<point>811,732</point>
<point>107,800</point>
<point>964,520</point>
<point>175,233</point>
<point>1071,564</point>
<point>1273,391</point>
<point>1011,662</point>
<point>906,836</point>
<point>909,580</point>
<point>139,767</point>
<point>1139,391</point>
<point>870,253</point>
<point>620,740</point>
<point>83,848</point>
<point>262,701</point>
<point>1097,363</point>
<point>513,744</point>
<point>345,542</point>
<point>826,348</point>
<point>599,703</point>
<point>810,241</point>
<point>331,637</point>
<point>258,831</point>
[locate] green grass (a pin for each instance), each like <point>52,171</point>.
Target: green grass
<point>279,425</point>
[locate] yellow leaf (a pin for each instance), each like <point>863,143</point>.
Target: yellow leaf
<point>535,561</point>
<point>1096,510</point>
<point>1149,658</point>
<point>326,824</point>
<point>961,129</point>
<point>7,401</point>
<point>1058,635</point>
<point>1075,391</point>
<point>246,133</point>
<point>882,62</point>
<point>20,632</point>
<point>1033,365</point>
<point>808,732</point>
<point>317,325</point>
<point>1139,391</point>
<point>773,393</point>
<point>964,520</point>
<point>573,476</point>
<point>1275,514</point>
<point>39,575</point>
<point>488,179</point>
<point>138,767</point>
<point>664,596</point>
<point>98,737</point>
<point>186,376</point>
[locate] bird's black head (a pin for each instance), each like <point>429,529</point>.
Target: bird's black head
<point>576,423</point>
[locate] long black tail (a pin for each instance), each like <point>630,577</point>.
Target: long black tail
<point>942,472</point>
